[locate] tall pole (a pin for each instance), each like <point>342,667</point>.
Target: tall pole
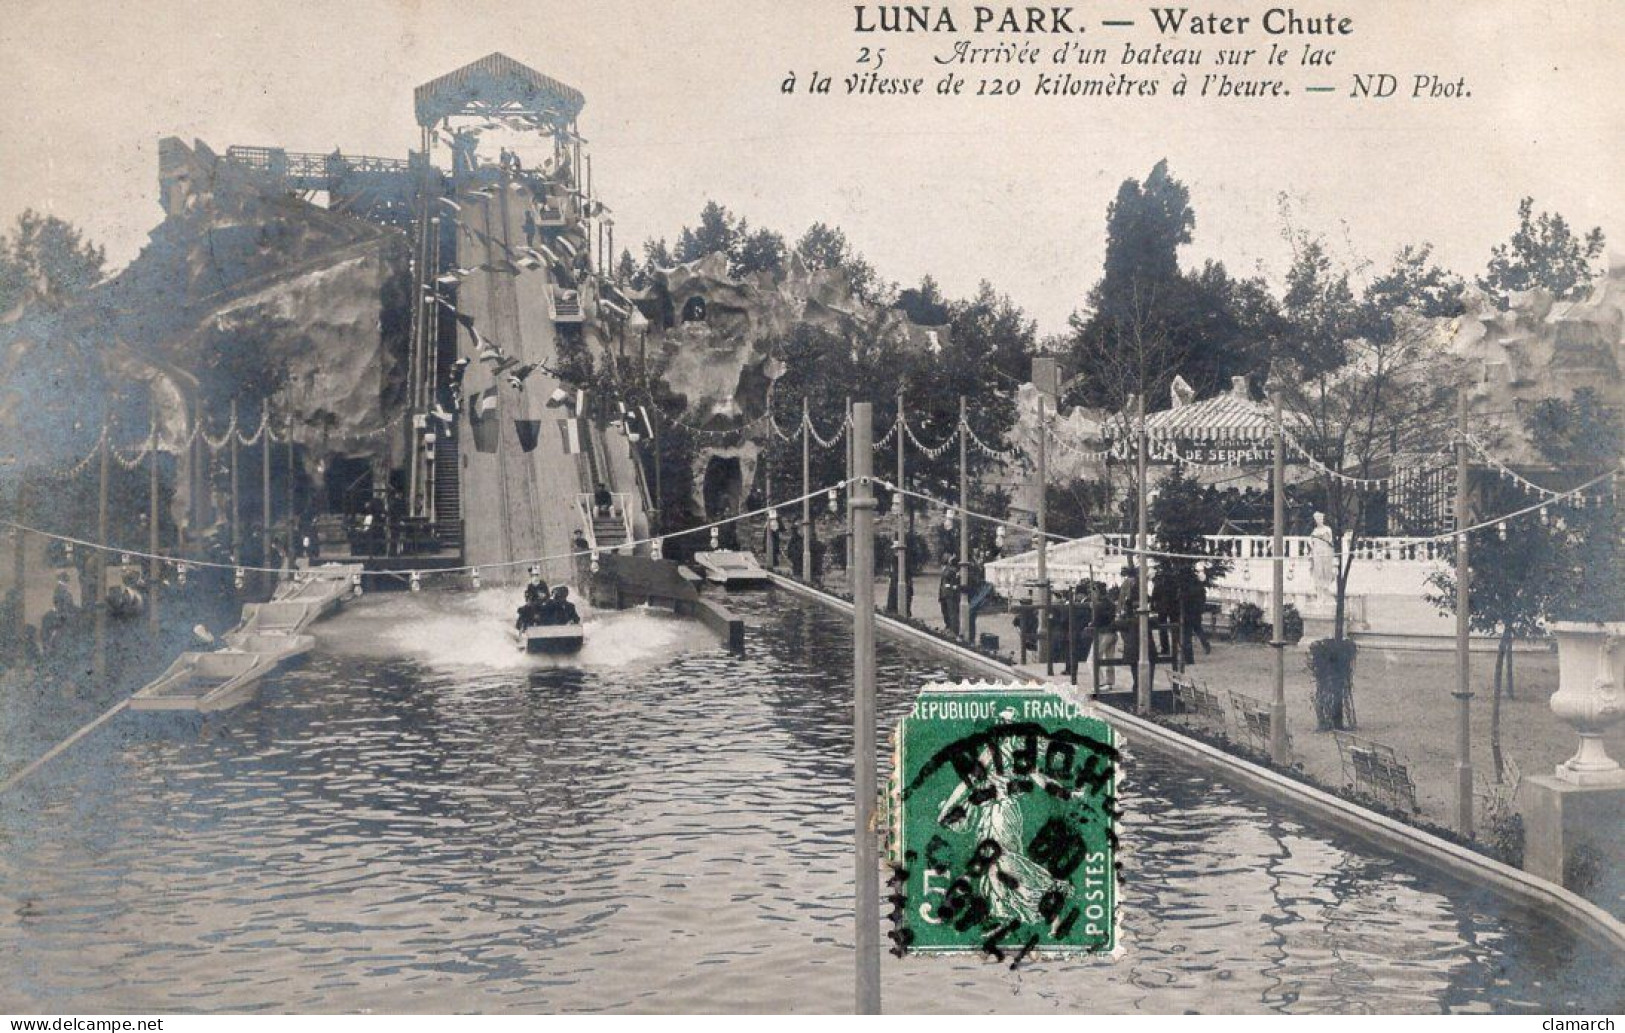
<point>660,494</point>
<point>236,535</point>
<point>290,515</point>
<point>265,485</point>
<point>99,585</point>
<point>1143,537</point>
<point>1278,593</point>
<point>1043,538</point>
<point>1463,693</point>
<point>861,515</point>
<point>900,505</point>
<point>154,568</point>
<point>850,537</point>
<point>806,486</point>
<point>964,525</point>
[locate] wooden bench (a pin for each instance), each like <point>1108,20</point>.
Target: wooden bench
<point>1196,700</point>
<point>1372,769</point>
<point>1253,721</point>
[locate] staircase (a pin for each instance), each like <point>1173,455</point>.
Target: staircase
<point>448,495</point>
<point>608,532</point>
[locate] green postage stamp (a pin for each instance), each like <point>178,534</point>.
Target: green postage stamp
<point>1002,824</point>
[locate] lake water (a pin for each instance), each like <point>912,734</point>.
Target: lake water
<point>418,819</point>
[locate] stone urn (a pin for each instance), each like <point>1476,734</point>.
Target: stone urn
<point>1590,696</point>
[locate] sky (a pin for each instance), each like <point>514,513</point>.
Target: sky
<point>684,105</point>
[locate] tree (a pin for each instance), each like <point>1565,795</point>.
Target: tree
<point>48,257</point>
<point>756,252</point>
<point>924,305</point>
<point>1413,284</point>
<point>1180,516</point>
<point>1543,252</point>
<point>1515,572</point>
<point>626,268</point>
<point>1533,568</point>
<point>1360,400</point>
<point>718,231</point>
<point>1584,438</point>
<point>1212,326</point>
<point>1146,225</point>
<point>826,247</point>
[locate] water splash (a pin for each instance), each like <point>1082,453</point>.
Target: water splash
<point>474,629</point>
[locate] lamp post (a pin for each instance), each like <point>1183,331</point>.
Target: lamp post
<point>861,515</point>
<point>154,568</point>
<point>806,487</point>
<point>1143,542</point>
<point>1464,691</point>
<point>900,507</point>
<point>964,525</point>
<point>1278,592</point>
<point>1043,541</point>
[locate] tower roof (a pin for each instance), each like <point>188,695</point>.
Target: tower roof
<point>493,84</point>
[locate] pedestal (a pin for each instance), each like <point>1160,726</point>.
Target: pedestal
<point>1559,816</point>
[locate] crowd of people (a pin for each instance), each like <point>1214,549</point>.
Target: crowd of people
<point>1107,618</point>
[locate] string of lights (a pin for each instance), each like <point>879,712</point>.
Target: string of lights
<point>239,569</point>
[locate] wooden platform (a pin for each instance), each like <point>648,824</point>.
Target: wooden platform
<point>625,581</point>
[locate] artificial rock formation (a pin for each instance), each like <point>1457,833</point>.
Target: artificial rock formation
<point>1539,348</point>
<point>712,347</point>
<point>242,291</point>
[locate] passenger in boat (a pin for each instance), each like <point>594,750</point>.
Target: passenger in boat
<point>536,590</point>
<point>534,611</point>
<point>563,610</point>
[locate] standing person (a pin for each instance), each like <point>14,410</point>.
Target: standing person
<point>581,551</point>
<point>601,499</point>
<point>1128,626</point>
<point>794,548</point>
<point>979,589</point>
<point>1165,608</point>
<point>1195,619</point>
<point>1102,617</point>
<point>948,595</point>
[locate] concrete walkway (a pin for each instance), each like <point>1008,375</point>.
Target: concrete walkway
<point>1402,700</point>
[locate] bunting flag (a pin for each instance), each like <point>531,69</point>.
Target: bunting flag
<point>559,397</point>
<point>481,419</point>
<point>581,403</point>
<point>573,433</point>
<point>530,432</point>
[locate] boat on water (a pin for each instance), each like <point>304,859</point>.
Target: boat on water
<point>731,568</point>
<point>217,680</point>
<point>270,634</point>
<point>550,639</point>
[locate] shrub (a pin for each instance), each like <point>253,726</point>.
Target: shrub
<point>1291,624</point>
<point>1247,623</point>
<point>1503,830</point>
<point>1331,661</point>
